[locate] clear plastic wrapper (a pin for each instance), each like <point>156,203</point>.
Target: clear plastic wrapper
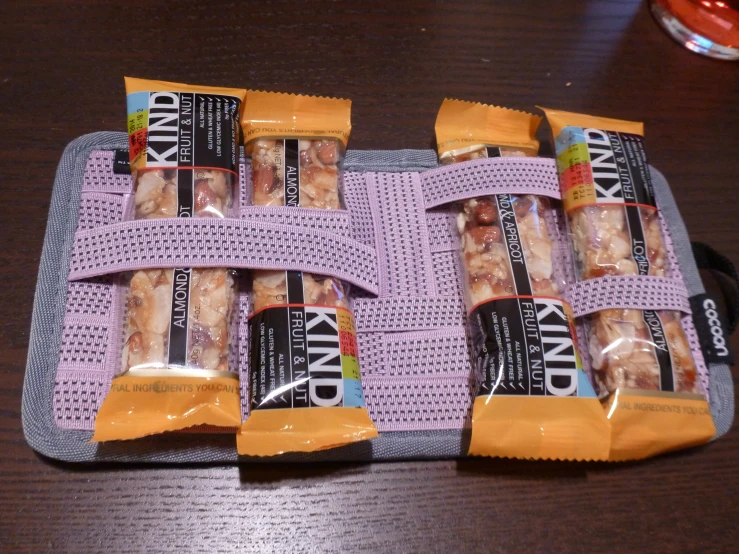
<point>622,347</point>
<point>150,341</point>
<point>316,186</point>
<point>208,293</point>
<point>156,193</point>
<point>486,259</point>
<point>319,173</point>
<point>533,400</point>
<point>175,372</point>
<point>615,230</point>
<point>305,391</point>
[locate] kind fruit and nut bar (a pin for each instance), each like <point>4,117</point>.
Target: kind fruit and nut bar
<point>175,371</point>
<point>534,399</point>
<point>305,388</point>
<point>641,359</point>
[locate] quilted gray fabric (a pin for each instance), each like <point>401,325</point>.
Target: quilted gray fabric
<point>49,307</point>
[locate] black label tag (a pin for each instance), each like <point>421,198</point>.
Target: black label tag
<point>121,165</point>
<point>710,327</point>
<point>493,152</point>
<point>524,347</point>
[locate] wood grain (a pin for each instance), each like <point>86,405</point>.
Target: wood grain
<point>61,76</point>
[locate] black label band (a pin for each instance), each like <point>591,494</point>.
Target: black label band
<point>512,238</point>
<point>292,172</point>
<point>185,192</point>
<point>296,358</point>
<point>619,165</point>
<point>178,323</point>
<point>638,239</point>
<point>295,294</point>
<point>524,347</point>
<point>661,350</point>
<point>192,130</point>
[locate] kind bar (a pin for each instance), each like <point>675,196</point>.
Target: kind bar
<point>641,360</point>
<point>534,399</point>
<point>175,372</point>
<point>305,389</point>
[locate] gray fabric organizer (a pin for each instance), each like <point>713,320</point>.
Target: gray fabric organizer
<point>45,437</point>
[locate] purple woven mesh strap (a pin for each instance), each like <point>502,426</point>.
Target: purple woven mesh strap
<point>413,351</point>
<point>356,198</point>
<point>443,234</point>
<point>415,404</point>
<point>639,292</point>
<point>332,221</point>
<point>77,397</point>
<point>409,313</point>
<point>401,234</point>
<point>207,242</point>
<point>418,353</point>
<point>490,176</point>
<point>97,209</point>
<point>99,174</point>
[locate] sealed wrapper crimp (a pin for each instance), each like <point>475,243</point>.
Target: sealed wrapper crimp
<point>305,388</point>
<point>533,400</point>
<point>642,362</point>
<point>175,370</point>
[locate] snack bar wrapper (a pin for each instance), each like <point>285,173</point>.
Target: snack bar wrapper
<point>305,388</point>
<point>533,400</point>
<point>642,362</point>
<point>175,372</point>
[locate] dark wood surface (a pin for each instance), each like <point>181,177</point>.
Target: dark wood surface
<point>61,75</point>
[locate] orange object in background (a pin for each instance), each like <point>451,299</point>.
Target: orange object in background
<point>707,27</point>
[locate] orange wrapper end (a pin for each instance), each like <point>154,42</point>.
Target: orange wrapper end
<point>273,432</point>
<point>647,423</point>
<point>140,406</point>
<point>568,428</point>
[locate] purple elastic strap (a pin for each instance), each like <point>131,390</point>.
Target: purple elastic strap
<point>99,174</point>
<point>332,221</point>
<point>489,176</point>
<point>441,352</point>
<point>639,292</point>
<point>409,313</point>
<point>416,404</point>
<point>356,198</point>
<point>412,348</point>
<point>442,231</point>
<point>99,208</point>
<point>208,242</point>
<point>77,396</point>
<point>401,235</point>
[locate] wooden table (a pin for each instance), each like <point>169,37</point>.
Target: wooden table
<point>61,75</point>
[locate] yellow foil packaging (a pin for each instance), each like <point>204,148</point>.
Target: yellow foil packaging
<point>175,363</point>
<point>305,388</point>
<point>534,400</point>
<point>642,362</point>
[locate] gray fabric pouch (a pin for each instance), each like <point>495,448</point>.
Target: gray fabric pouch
<point>45,435</point>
